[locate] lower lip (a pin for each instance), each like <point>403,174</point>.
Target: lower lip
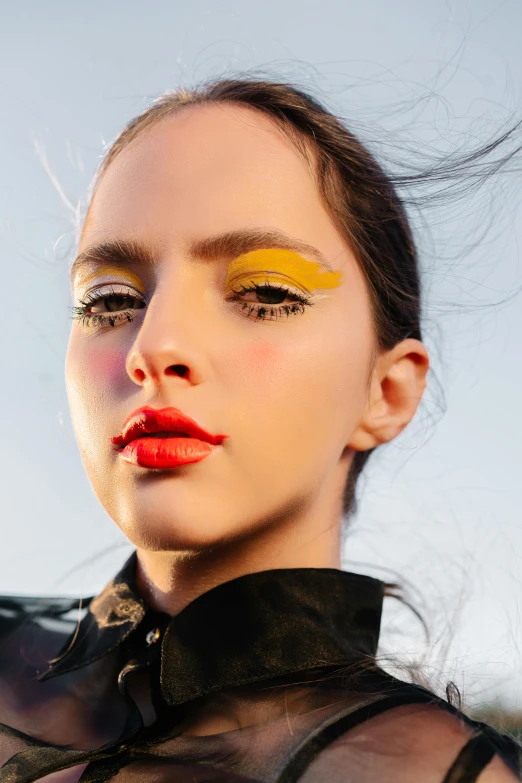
<point>165,452</point>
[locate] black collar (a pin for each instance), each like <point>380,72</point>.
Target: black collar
<point>253,628</point>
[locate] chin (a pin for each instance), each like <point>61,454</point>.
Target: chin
<point>172,534</point>
<point>156,518</point>
<point>195,509</point>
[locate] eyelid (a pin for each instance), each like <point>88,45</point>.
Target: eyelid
<point>265,277</point>
<point>119,287</point>
<point>308,275</point>
<point>109,272</point>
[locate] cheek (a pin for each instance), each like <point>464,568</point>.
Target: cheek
<point>94,378</point>
<point>262,383</point>
<point>262,359</point>
<point>106,365</point>
<point>92,370</point>
<point>318,377</point>
<point>280,373</point>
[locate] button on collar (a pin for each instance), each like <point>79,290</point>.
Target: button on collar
<point>152,636</point>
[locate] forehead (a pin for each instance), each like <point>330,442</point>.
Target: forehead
<point>202,170</point>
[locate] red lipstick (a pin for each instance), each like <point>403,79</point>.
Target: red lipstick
<point>163,438</point>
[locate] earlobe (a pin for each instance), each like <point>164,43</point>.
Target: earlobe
<point>397,385</point>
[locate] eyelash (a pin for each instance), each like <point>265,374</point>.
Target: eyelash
<point>261,311</point>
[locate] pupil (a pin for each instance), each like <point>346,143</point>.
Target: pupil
<point>117,302</point>
<point>269,295</point>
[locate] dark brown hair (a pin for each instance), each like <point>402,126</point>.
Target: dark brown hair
<point>358,195</point>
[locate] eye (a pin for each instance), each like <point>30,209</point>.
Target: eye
<point>268,295</point>
<point>108,305</point>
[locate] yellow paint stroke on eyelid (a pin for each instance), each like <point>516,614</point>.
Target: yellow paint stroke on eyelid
<point>297,270</point>
<point>115,271</point>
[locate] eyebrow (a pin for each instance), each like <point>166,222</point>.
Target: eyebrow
<point>121,252</point>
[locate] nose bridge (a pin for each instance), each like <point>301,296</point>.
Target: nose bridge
<point>169,339</point>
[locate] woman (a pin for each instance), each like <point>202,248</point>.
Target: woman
<point>246,332</point>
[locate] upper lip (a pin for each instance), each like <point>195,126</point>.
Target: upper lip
<point>169,420</point>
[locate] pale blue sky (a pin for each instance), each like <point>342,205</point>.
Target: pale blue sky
<point>440,506</point>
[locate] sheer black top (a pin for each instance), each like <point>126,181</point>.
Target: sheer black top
<point>106,689</point>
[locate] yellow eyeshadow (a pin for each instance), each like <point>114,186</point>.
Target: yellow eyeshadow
<point>117,271</point>
<point>281,266</point>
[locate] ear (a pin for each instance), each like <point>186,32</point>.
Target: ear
<point>396,387</point>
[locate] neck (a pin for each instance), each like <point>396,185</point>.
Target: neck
<point>168,581</point>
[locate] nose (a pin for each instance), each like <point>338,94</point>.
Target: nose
<point>166,348</point>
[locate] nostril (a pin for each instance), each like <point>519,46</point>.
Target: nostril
<point>177,369</point>
<point>139,375</point>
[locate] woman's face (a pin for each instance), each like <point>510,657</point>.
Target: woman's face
<point>282,370</point>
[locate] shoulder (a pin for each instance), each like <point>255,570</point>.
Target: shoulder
<point>426,742</point>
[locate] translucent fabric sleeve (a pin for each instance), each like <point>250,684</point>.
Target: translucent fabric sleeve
<point>403,744</point>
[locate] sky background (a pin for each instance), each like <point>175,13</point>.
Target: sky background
<point>440,507</point>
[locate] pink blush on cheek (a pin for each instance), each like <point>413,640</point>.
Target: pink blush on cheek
<point>262,357</point>
<point>107,365</point>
